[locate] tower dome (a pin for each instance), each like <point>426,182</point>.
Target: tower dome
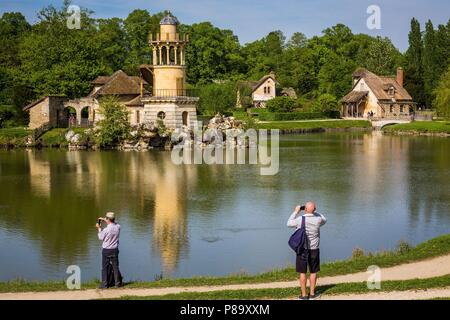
<point>169,19</point>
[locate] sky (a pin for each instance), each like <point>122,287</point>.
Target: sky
<point>253,19</point>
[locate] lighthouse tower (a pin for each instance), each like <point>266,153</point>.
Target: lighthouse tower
<point>170,100</point>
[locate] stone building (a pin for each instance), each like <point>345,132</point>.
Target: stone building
<point>257,93</point>
<point>385,97</point>
<point>158,94</point>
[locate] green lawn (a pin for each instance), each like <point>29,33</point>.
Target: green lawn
<point>284,293</point>
<point>14,136</point>
<point>420,127</point>
<point>329,124</point>
<point>431,248</point>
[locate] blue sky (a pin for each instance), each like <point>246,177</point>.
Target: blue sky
<point>253,19</point>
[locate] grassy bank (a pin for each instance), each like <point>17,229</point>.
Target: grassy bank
<point>314,125</point>
<point>419,127</point>
<point>13,136</point>
<point>404,254</point>
<point>285,293</point>
<point>57,137</point>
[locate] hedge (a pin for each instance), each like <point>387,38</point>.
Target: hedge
<point>290,116</point>
<point>286,116</point>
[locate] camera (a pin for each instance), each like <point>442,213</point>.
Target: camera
<point>302,208</point>
<point>99,221</point>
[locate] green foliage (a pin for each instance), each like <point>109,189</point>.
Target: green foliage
<point>114,127</point>
<point>382,58</point>
<point>281,104</point>
<point>289,116</point>
<point>326,103</point>
<point>216,97</point>
<point>212,53</point>
<point>14,136</point>
<point>48,58</point>
<point>8,115</point>
<point>442,96</point>
<point>315,125</point>
<point>426,60</point>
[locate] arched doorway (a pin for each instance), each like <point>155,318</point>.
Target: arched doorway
<point>84,121</point>
<point>71,116</point>
<point>185,116</point>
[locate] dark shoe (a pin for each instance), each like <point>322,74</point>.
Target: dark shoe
<point>315,296</point>
<point>303,298</point>
<point>117,286</point>
<point>102,287</point>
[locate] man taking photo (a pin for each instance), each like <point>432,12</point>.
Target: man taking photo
<point>110,252</point>
<point>310,255</point>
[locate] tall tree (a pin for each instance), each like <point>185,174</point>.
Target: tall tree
<point>431,62</point>
<point>212,53</point>
<point>58,60</point>
<point>413,64</point>
<point>382,57</point>
<point>442,96</point>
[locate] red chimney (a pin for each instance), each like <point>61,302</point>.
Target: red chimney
<point>400,76</point>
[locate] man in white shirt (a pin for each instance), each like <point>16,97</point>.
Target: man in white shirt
<point>310,255</point>
<point>110,252</point>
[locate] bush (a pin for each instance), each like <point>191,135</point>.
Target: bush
<point>281,104</point>
<point>326,103</point>
<point>357,253</point>
<point>403,247</point>
<point>114,128</point>
<point>7,115</point>
<point>215,97</point>
<point>290,116</point>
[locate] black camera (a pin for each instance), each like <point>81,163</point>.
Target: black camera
<point>99,221</point>
<point>302,208</point>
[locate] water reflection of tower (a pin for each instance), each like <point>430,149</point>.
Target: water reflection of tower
<point>171,183</point>
<point>39,174</point>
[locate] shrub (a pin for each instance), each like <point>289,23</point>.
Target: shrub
<point>357,253</point>
<point>281,104</point>
<point>114,127</point>
<point>217,97</point>
<point>290,116</point>
<point>403,247</point>
<point>325,103</point>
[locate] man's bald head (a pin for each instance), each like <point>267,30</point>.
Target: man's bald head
<point>310,207</point>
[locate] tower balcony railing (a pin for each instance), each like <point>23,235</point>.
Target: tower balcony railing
<point>172,93</point>
<point>169,36</point>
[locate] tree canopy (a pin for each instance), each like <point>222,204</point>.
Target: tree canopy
<point>48,58</point>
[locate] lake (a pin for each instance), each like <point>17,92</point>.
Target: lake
<point>180,221</point>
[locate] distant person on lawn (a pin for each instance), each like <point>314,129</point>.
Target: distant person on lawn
<point>110,252</point>
<point>310,255</point>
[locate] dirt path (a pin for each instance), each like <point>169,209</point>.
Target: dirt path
<point>417,270</point>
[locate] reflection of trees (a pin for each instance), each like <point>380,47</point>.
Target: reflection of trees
<point>56,196</point>
<point>46,208</point>
<point>424,200</point>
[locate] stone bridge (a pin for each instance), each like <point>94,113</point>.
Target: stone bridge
<point>378,124</point>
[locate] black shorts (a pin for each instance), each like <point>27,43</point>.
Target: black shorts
<point>309,258</point>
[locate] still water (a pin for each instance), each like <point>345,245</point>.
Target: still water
<point>188,220</point>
